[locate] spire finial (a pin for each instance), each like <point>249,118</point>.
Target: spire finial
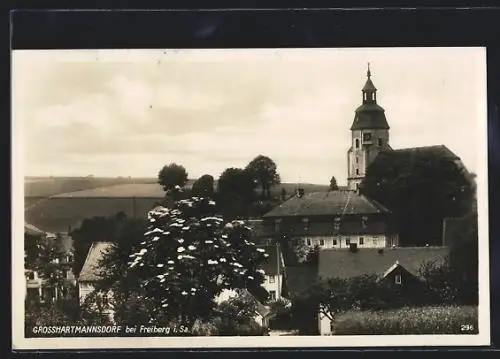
<point>368,73</point>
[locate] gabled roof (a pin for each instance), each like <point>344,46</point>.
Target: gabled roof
<point>327,204</point>
<point>33,231</point>
<point>91,269</point>
<point>342,263</point>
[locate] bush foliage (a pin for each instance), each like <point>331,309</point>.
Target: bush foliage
<point>423,320</point>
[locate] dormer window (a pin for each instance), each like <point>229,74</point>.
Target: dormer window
<point>367,137</point>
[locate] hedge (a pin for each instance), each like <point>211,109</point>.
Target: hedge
<point>423,320</point>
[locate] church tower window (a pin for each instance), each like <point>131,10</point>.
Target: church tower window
<point>357,143</point>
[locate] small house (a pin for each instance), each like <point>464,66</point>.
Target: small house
<point>399,265</point>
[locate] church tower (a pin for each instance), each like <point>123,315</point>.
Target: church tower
<point>369,134</point>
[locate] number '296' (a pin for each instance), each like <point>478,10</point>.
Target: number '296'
<point>466,327</point>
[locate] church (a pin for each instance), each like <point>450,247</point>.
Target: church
<point>346,218</point>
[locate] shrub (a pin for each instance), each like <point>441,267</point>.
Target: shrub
<point>424,320</point>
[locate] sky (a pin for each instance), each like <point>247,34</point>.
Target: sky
<point>129,112</point>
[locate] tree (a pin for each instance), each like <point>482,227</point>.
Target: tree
<point>92,230</point>
<point>235,192</point>
<point>333,184</point>
<point>421,190</point>
<point>264,171</point>
<point>203,187</point>
<point>172,175</point>
<point>189,256</point>
<point>235,316</point>
<point>49,267</point>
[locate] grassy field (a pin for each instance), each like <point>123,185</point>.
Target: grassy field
<point>53,204</point>
<point>426,320</point>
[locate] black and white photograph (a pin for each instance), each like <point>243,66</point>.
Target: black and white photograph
<point>184,198</point>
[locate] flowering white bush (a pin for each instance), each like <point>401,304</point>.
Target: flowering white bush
<point>190,255</point>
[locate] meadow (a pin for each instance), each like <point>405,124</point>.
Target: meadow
<point>423,320</point>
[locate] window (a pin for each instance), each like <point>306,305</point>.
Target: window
<point>308,241</point>
<point>367,137</point>
<point>272,294</point>
<point>380,142</point>
<point>334,242</point>
<point>271,279</point>
<point>31,276</point>
<point>347,241</point>
<point>357,171</point>
<point>364,219</point>
<point>357,143</point>
<point>397,279</point>
<point>321,242</point>
<point>361,240</point>
<point>357,160</point>
<point>375,241</point>
<point>55,261</point>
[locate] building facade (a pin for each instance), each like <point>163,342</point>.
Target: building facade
<point>334,219</point>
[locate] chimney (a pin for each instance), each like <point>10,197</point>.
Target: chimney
<point>300,192</point>
<point>353,247</point>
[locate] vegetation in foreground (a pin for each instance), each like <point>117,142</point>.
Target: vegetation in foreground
<point>423,320</point>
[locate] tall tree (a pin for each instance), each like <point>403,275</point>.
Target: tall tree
<point>172,175</point>
<point>421,189</point>
<point>333,184</point>
<point>264,171</point>
<point>235,192</point>
<point>203,187</point>
<point>189,256</point>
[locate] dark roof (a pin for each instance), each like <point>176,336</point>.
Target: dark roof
<point>325,204</point>
<point>300,278</point>
<point>271,265</point>
<point>369,116</point>
<point>438,150</point>
<point>369,86</point>
<point>343,263</point>
<point>91,268</point>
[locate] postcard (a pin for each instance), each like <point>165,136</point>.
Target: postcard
<point>244,198</point>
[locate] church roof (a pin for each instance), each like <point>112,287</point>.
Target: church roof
<point>437,150</point>
<point>369,86</point>
<point>327,204</point>
<point>369,116</point>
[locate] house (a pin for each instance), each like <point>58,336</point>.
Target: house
<point>399,265</point>
<point>37,287</point>
<point>90,272</point>
<point>274,269</point>
<point>333,219</point>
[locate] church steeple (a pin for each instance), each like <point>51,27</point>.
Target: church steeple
<point>369,134</point>
<point>369,90</point>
